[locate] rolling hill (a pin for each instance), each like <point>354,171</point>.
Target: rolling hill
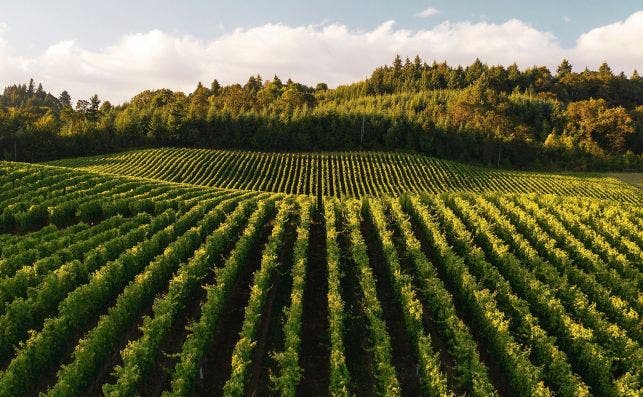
<point>341,174</point>
<point>189,272</point>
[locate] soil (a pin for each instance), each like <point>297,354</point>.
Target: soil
<point>161,371</point>
<point>315,352</point>
<point>404,354</point>
<point>216,365</point>
<point>357,343</point>
<point>270,334</point>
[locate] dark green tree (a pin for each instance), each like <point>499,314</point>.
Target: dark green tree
<point>31,89</point>
<point>81,106</point>
<point>65,99</point>
<point>93,110</point>
<point>563,69</point>
<point>605,72</point>
<point>215,87</point>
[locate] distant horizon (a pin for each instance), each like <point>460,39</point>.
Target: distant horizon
<point>117,50</point>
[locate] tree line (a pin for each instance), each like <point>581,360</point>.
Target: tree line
<point>490,115</point>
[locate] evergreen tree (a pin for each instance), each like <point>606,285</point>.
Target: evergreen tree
<point>277,82</point>
<point>564,68</point>
<point>215,87</point>
<point>474,71</point>
<point>93,110</point>
<point>514,76</point>
<point>81,106</point>
<point>198,107</point>
<point>417,63</point>
<point>253,85</point>
<point>40,92</point>
<point>30,90</point>
<point>397,65</point>
<point>605,72</point>
<point>65,99</point>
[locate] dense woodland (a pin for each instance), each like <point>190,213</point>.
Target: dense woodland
<point>491,115</point>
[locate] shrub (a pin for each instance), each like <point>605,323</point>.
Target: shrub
<point>90,212</point>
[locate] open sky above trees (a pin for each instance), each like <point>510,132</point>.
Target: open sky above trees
<point>117,49</point>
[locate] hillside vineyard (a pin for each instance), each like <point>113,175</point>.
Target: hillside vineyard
<point>183,272</point>
<point>356,174</point>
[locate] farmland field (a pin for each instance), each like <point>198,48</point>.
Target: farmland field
<point>340,174</point>
<point>198,272</point>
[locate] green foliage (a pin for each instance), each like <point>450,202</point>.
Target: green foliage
<point>342,174</point>
<point>499,291</point>
<point>139,355</point>
<point>433,381</point>
<point>73,378</point>
<point>471,374</point>
<point>288,359</point>
<point>339,376</point>
<point>63,214</point>
<point>202,332</point>
<point>242,354</point>
<point>594,121</point>
<point>386,380</point>
<point>34,218</point>
<point>480,302</point>
<point>480,114</point>
<point>90,211</point>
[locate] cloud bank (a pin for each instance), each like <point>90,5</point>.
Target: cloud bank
<point>331,53</point>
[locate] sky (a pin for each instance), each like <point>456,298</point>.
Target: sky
<point>118,48</point>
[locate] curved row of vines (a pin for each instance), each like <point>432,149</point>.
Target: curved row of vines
<point>341,174</point>
<point>123,286</point>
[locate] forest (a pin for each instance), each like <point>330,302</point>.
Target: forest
<point>488,115</point>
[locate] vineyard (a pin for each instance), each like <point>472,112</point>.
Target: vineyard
<point>340,174</point>
<point>182,272</point>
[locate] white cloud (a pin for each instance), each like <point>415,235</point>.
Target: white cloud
<point>566,18</point>
<point>332,53</point>
<point>620,44</point>
<point>428,12</point>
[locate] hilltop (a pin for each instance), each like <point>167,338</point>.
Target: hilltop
<point>341,174</point>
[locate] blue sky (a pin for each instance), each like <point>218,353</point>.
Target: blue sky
<point>116,48</point>
<point>35,24</point>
